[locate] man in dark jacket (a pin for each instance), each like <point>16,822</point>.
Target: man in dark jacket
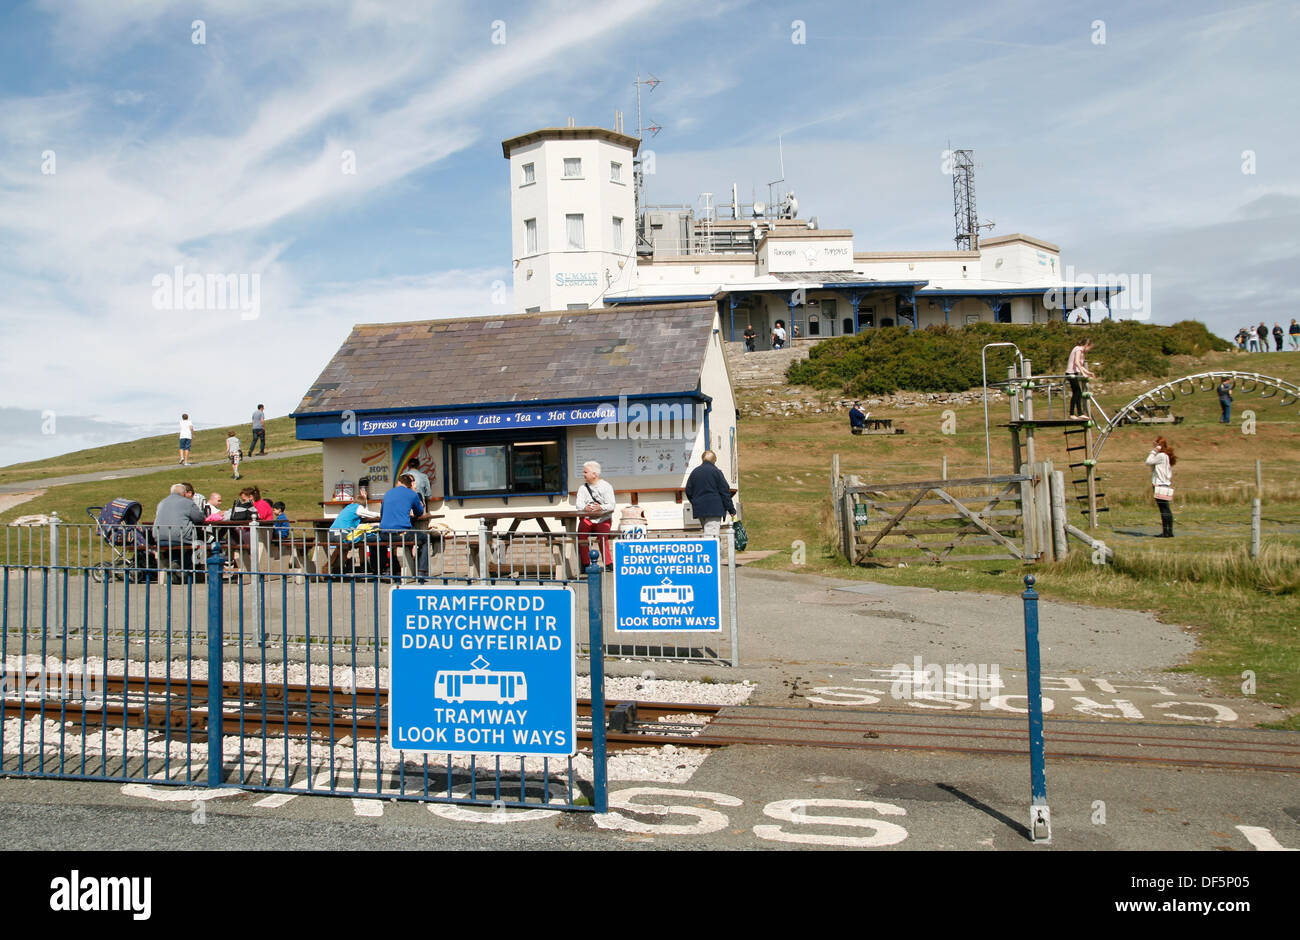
<point>709,493</point>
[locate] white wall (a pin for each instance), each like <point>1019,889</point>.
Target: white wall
<point>549,199</point>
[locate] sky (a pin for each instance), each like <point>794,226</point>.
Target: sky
<point>339,161</point>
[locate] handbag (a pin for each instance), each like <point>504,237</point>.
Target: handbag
<point>741,536</point>
<point>1164,492</point>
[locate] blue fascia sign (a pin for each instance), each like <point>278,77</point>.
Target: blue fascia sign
<point>667,585</point>
<point>482,670</point>
<point>430,422</point>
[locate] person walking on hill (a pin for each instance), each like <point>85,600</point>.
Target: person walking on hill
<point>1077,374</point>
<point>234,451</point>
<point>187,438</point>
<point>1162,460</point>
<point>1295,334</point>
<point>259,430</point>
<point>1277,336</point>
<point>1261,332</point>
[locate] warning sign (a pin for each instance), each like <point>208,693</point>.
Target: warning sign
<point>667,585</point>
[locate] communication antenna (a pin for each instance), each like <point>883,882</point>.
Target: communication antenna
<point>965,217</point>
<point>771,194</point>
<point>638,175</point>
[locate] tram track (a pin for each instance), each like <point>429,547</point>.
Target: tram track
<point>177,707</point>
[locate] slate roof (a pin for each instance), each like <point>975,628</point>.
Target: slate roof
<point>530,357</point>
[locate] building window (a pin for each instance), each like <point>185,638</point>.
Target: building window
<point>617,243</point>
<point>573,168</point>
<point>529,175</point>
<point>574,230</point>
<point>496,467</point>
<point>530,236</point>
<point>615,172</point>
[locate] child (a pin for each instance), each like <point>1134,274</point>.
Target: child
<point>233,451</point>
<point>281,521</point>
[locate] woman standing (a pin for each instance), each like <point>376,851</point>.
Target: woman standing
<point>1162,460</point>
<point>1295,334</point>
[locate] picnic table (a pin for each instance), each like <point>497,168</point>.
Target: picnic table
<point>331,550</point>
<point>878,426</point>
<point>564,554</point>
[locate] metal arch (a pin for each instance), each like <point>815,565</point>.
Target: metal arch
<point>1163,394</point>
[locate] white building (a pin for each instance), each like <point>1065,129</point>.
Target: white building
<point>578,242</point>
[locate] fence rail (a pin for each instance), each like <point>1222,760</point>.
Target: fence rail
<point>280,586</point>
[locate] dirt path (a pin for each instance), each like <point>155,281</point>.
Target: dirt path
<point>10,500</point>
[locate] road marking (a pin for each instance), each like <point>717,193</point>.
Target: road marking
<point>1262,839</point>
<point>175,794</point>
<point>707,820</point>
<point>276,800</point>
<point>796,811</point>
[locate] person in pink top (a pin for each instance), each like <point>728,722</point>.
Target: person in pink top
<point>1077,373</point>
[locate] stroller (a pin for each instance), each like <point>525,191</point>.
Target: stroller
<point>129,542</point>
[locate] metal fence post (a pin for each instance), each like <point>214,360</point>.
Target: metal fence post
<point>216,613</point>
<point>482,550</point>
<point>731,591</point>
<point>54,554</point>
<point>1040,816</point>
<point>596,644</point>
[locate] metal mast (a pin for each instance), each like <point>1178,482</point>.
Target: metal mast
<point>963,198</point>
<point>638,174</point>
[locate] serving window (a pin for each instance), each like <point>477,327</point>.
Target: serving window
<point>506,467</point>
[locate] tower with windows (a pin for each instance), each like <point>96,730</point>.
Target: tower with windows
<point>572,216</point>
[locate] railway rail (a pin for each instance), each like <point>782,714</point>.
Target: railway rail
<point>177,707</point>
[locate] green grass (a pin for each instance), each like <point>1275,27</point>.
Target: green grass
<point>294,480</point>
<point>152,451</point>
<point>1243,613</point>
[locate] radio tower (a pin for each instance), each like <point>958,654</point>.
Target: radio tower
<point>963,199</point>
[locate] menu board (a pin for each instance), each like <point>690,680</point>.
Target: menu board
<point>625,458</point>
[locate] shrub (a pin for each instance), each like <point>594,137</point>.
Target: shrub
<point>946,359</point>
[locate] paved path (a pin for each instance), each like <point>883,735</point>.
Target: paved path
<point>24,486</point>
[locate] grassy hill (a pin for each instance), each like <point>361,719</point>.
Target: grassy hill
<point>152,451</point>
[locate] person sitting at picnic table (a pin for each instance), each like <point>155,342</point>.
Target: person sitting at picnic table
<point>401,508</point>
<point>349,519</point>
<point>596,500</point>
<point>857,418</point>
<point>176,527</point>
<point>215,512</point>
<point>281,521</point>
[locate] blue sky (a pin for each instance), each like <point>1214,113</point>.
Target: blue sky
<point>227,156</point>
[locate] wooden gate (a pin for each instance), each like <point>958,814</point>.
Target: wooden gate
<point>933,521</point>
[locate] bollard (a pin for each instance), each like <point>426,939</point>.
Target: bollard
<point>596,651</point>
<point>216,775</point>
<point>1040,816</point>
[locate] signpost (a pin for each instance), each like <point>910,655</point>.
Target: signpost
<point>667,585</point>
<point>482,670</point>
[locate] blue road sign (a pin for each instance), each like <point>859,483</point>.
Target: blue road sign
<point>667,584</point>
<point>482,670</point>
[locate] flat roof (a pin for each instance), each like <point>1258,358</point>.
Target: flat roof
<point>568,133</point>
